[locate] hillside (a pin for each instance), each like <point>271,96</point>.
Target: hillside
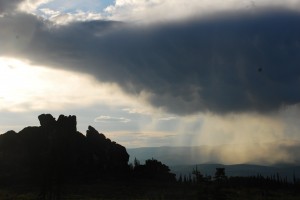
<point>182,160</point>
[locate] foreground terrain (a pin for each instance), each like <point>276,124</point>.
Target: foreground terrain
<point>54,161</point>
<point>150,190</point>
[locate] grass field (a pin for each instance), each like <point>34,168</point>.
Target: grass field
<point>150,190</point>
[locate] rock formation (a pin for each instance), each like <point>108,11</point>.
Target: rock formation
<point>57,151</point>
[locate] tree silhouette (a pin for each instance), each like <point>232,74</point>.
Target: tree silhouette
<point>198,176</point>
<point>153,170</point>
<point>220,174</point>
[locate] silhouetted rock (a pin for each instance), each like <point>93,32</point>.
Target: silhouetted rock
<point>67,123</point>
<point>92,133</point>
<point>107,155</point>
<point>10,132</point>
<point>55,152</point>
<point>47,121</point>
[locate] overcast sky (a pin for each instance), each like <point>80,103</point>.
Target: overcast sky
<point>155,72</point>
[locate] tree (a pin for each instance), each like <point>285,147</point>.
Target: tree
<point>198,175</point>
<point>220,174</point>
<point>136,162</point>
<point>153,170</point>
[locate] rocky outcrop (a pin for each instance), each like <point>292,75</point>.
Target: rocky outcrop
<point>47,121</point>
<point>56,150</point>
<point>107,155</point>
<point>67,123</point>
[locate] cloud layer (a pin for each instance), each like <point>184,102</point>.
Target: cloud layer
<point>6,6</point>
<point>164,10</point>
<point>230,63</point>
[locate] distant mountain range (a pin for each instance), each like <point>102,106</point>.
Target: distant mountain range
<point>182,160</point>
<point>255,153</point>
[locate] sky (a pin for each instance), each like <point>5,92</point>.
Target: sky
<point>155,72</point>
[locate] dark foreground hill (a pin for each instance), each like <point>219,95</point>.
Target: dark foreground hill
<point>58,151</point>
<point>55,153</point>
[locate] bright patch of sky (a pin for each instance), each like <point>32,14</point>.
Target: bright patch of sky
<point>63,12</point>
<point>35,89</point>
<point>73,6</point>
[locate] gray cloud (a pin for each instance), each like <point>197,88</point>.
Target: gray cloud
<point>223,64</point>
<point>8,5</point>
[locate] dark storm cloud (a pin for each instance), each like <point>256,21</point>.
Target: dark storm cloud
<point>231,63</point>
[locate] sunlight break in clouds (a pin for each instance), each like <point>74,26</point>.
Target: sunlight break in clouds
<point>31,5</point>
<point>27,88</point>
